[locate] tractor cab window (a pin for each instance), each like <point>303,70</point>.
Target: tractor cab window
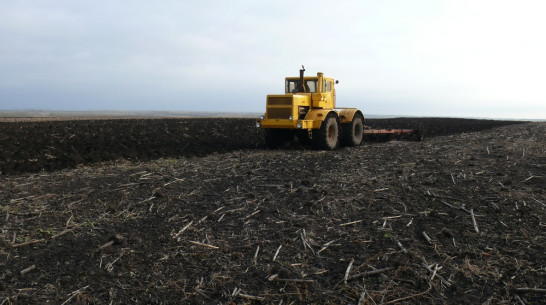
<point>291,86</point>
<point>327,87</point>
<point>311,86</point>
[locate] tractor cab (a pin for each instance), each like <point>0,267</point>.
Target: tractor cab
<point>309,85</point>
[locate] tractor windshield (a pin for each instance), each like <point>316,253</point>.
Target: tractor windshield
<point>291,86</point>
<point>311,85</point>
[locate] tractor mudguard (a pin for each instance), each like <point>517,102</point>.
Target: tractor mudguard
<point>347,115</point>
<point>318,115</point>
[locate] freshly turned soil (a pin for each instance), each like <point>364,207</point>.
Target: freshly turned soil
<point>36,145</point>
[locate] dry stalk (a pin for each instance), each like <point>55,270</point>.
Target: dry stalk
<point>527,289</point>
<point>531,177</point>
<point>401,247</point>
<point>325,246</point>
<point>410,296</point>
<point>175,180</point>
<point>293,280</point>
<point>348,270</point>
<point>367,273</point>
<point>474,221</point>
<point>435,274</point>
<point>426,237</point>
<point>450,205</point>
<point>203,245</point>
<point>250,297</point>
<point>28,269</point>
<point>519,300</point>
<point>256,212</point>
<point>305,243</point>
<point>277,252</point>
<point>106,245</point>
<point>350,223</point>
<point>256,255</point>
<point>436,268</point>
<point>73,294</point>
<point>183,229</point>
<point>28,243</point>
<point>363,295</point>
<point>63,232</point>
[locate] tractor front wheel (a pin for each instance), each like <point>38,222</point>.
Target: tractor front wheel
<point>327,137</point>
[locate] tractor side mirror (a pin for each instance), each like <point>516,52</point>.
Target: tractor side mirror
<point>337,81</point>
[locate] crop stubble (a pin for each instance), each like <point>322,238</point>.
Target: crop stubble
<point>455,219</point>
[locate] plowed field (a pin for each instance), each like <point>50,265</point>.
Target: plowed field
<point>35,145</point>
<point>196,211</point>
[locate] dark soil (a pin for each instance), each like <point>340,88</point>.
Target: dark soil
<point>34,146</point>
<point>220,220</point>
<point>48,145</point>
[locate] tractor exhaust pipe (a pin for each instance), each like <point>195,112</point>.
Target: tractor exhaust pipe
<point>300,84</point>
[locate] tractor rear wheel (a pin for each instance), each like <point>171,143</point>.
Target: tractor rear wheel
<point>327,137</point>
<point>277,138</point>
<point>353,132</point>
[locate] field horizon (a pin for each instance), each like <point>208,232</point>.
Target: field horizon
<point>38,113</point>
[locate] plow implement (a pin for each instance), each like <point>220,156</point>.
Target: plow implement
<point>380,135</point>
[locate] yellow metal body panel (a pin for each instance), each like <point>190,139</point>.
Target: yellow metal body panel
<point>312,120</point>
<point>285,105</point>
<point>317,116</point>
<point>279,123</point>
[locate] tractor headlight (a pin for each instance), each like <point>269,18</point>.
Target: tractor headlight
<point>299,125</point>
<point>262,117</point>
<point>290,118</point>
<point>258,124</point>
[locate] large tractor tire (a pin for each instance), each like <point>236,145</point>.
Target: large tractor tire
<point>353,132</point>
<point>277,138</point>
<point>327,137</point>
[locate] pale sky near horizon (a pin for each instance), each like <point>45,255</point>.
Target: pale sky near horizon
<point>480,58</point>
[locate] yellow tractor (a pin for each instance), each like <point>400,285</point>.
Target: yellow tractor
<point>308,110</point>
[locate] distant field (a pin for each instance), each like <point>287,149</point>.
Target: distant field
<point>34,115</point>
<point>45,115</point>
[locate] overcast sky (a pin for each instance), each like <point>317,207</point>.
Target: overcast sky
<point>479,58</point>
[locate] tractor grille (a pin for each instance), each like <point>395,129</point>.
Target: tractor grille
<point>279,107</point>
<point>284,100</point>
<point>279,113</point>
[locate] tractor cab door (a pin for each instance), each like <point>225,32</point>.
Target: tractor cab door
<point>329,92</point>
